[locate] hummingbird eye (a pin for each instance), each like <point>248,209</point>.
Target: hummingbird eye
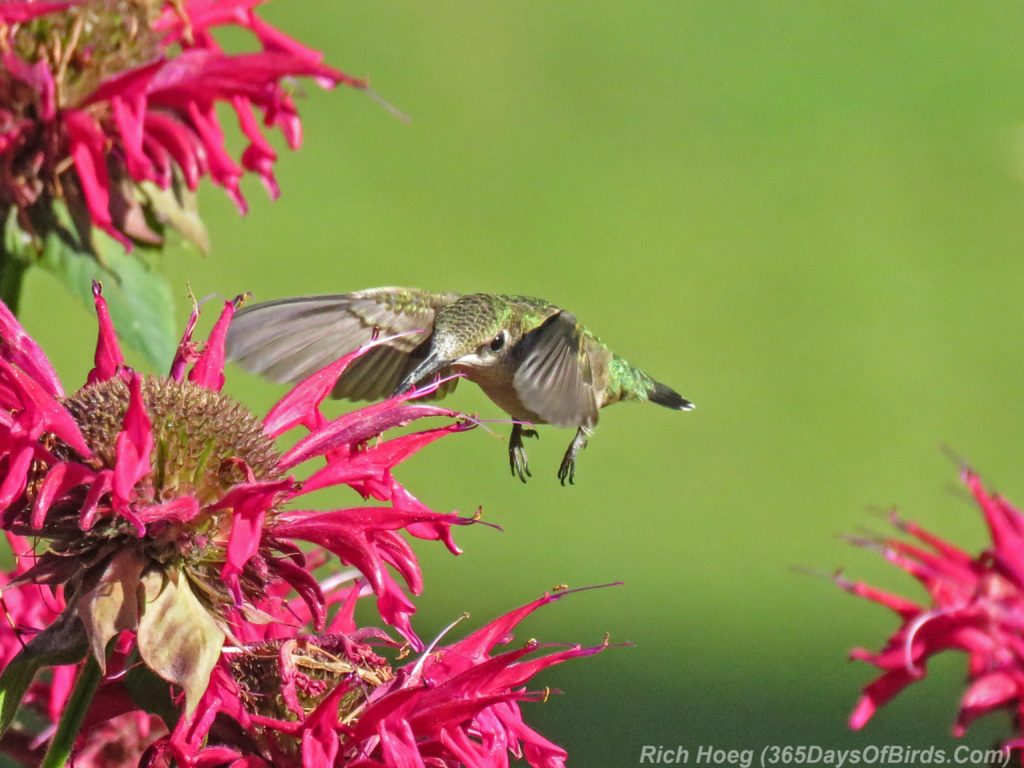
<point>498,342</point>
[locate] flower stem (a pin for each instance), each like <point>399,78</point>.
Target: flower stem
<point>12,273</point>
<point>74,714</point>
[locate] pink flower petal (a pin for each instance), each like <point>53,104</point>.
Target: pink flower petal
<point>129,116</point>
<point>299,405</point>
<point>90,507</point>
<point>20,11</point>
<point>18,347</point>
<point>39,78</point>
<point>307,587</point>
<point>186,353</point>
<point>88,150</point>
<point>259,156</point>
<point>108,359</point>
<point>320,742</point>
<point>986,693</point>
<point>209,368</point>
<point>222,168</point>
<point>399,747</point>
<point>180,143</point>
<point>133,446</point>
<point>178,510</point>
<point>131,84</point>
<point>377,460</point>
<point>60,479</point>
<point>203,14</point>
<point>355,428</point>
<point>45,412</point>
<point>16,474</point>
<point>249,503</point>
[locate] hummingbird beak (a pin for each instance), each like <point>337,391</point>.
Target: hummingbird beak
<point>421,372</point>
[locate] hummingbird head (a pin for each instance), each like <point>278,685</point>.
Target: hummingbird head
<point>475,331</point>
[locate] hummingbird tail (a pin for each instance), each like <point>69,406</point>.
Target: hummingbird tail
<point>668,397</point>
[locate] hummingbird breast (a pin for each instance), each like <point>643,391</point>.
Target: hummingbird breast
<point>496,382</point>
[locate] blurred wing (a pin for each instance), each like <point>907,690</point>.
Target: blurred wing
<point>288,339</point>
<point>554,378</point>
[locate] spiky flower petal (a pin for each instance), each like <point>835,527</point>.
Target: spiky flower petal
<point>322,700</point>
<point>975,605</point>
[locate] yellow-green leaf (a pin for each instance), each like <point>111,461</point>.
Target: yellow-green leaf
<point>178,638</point>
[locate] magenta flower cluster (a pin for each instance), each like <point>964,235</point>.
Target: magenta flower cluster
<point>167,529</point>
<point>975,605</point>
<point>97,98</point>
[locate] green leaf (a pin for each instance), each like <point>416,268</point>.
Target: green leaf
<point>16,241</point>
<point>177,637</point>
<point>140,300</point>
<point>63,642</point>
<point>15,259</point>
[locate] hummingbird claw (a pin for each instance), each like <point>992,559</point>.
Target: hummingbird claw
<point>567,469</point>
<point>517,452</point>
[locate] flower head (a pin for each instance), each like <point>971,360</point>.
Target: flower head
<point>321,700</point>
<point>975,605</point>
<point>164,510</point>
<point>109,106</point>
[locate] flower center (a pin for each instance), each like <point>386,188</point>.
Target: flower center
<point>202,440</point>
<point>89,42</point>
<point>317,665</point>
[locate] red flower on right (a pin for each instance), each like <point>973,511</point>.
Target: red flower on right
<point>976,606</point>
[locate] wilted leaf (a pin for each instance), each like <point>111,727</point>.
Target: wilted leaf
<point>176,208</point>
<point>113,604</point>
<point>178,639</point>
<point>140,301</point>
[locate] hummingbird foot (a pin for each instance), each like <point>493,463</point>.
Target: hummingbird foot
<point>517,452</point>
<point>567,470</point>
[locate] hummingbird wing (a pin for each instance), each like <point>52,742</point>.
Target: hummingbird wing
<point>554,379</point>
<point>289,339</point>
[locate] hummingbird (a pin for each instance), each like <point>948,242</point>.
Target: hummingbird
<point>532,358</point>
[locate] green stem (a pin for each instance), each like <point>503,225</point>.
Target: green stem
<point>74,715</point>
<point>12,271</point>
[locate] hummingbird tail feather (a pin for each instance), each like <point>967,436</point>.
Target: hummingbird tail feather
<point>668,397</point>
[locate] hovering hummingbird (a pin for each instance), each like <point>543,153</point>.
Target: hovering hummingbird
<point>533,359</point>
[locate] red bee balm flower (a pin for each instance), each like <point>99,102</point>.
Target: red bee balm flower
<point>164,510</point>
<point>329,699</point>
<point>976,606</point>
<point>104,103</point>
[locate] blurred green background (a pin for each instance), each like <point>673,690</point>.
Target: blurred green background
<point>807,217</point>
